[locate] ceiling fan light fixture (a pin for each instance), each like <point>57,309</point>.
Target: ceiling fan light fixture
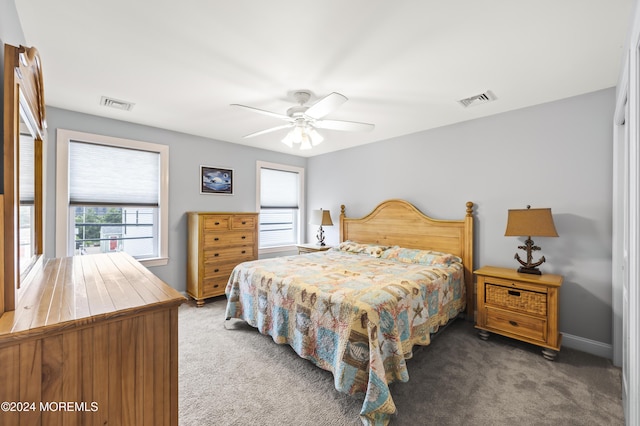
<point>306,136</point>
<point>288,140</point>
<point>297,134</point>
<point>305,143</point>
<point>302,120</point>
<point>316,138</point>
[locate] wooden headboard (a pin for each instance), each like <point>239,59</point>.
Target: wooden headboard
<point>398,222</point>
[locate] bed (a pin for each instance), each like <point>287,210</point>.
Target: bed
<point>358,309</point>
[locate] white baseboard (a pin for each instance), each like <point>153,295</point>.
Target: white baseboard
<point>593,347</point>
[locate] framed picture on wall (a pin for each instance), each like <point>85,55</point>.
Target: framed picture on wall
<point>216,180</point>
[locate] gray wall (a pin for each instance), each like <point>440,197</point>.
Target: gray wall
<point>556,155</point>
<point>186,154</point>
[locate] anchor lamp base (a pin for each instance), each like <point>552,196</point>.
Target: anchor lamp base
<point>529,267</point>
<point>534,271</point>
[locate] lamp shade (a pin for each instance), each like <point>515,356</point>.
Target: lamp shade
<point>303,134</point>
<point>321,218</point>
<point>530,223</point>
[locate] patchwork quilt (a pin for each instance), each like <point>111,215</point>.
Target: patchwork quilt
<point>356,310</point>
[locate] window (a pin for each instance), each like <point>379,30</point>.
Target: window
<point>280,194</point>
<point>112,195</point>
<point>27,196</point>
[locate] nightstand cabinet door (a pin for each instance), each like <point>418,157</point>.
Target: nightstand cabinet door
<point>521,306</point>
<point>217,243</point>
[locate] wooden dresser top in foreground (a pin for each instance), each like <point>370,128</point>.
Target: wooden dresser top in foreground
<point>81,290</point>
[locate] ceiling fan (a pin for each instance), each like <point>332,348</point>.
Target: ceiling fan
<point>304,120</point>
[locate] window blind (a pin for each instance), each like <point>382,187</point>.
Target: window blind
<point>278,189</point>
<point>26,178</point>
<point>109,175</point>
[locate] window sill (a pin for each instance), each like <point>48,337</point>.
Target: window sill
<point>156,261</point>
<point>277,251</point>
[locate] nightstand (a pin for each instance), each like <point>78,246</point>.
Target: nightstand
<point>311,248</point>
<point>520,306</point>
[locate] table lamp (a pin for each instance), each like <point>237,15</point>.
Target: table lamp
<point>530,223</point>
<point>321,218</point>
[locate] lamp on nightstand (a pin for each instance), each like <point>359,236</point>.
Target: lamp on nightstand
<point>321,218</point>
<point>530,223</point>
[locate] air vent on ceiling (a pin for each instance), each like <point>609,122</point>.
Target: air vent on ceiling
<point>482,98</point>
<point>116,103</point>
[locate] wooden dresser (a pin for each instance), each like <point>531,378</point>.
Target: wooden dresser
<point>93,340</point>
<point>521,306</point>
<point>217,243</point>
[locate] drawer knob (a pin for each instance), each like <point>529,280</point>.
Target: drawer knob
<point>217,223</point>
<point>216,270</point>
<point>216,239</point>
<point>243,237</point>
<point>244,251</point>
<point>216,286</point>
<point>514,293</point>
<point>216,254</point>
<point>244,223</point>
<point>513,323</point>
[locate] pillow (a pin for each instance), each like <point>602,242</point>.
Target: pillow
<point>373,250</point>
<point>422,257</point>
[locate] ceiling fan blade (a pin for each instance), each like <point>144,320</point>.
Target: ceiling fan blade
<point>326,105</point>
<point>261,111</point>
<point>272,129</point>
<point>350,126</point>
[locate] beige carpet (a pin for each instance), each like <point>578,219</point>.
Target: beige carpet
<point>239,377</point>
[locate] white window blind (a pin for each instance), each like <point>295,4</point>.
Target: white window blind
<point>109,175</point>
<point>278,189</point>
<point>280,201</point>
<point>27,169</point>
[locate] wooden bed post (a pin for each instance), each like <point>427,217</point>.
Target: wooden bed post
<point>343,215</point>
<point>467,260</point>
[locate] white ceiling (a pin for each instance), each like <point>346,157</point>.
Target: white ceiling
<point>403,64</point>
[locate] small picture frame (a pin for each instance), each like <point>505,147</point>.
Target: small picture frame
<point>216,180</point>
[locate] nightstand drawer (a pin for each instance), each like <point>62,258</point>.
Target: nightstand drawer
<point>518,324</point>
<point>517,299</point>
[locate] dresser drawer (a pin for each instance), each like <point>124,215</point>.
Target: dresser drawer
<point>220,255</point>
<point>518,324</point>
<point>216,222</point>
<point>243,222</point>
<point>531,302</point>
<point>214,286</point>
<point>216,269</point>
<point>225,239</point>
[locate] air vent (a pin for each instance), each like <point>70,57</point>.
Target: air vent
<point>482,98</point>
<point>116,103</point>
